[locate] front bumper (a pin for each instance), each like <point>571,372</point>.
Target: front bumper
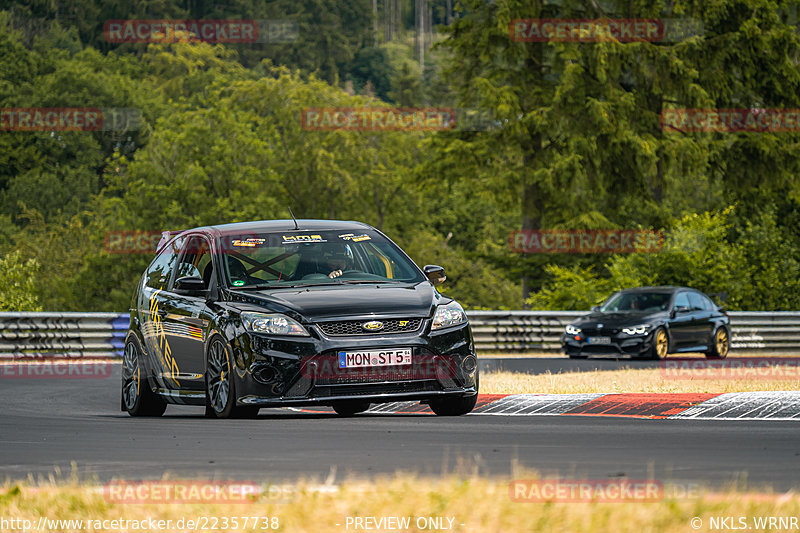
<point>621,345</point>
<point>276,372</point>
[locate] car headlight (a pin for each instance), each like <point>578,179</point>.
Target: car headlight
<point>636,330</point>
<point>448,315</point>
<point>572,330</point>
<point>275,324</point>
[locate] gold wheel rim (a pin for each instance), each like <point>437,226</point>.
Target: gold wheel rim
<point>722,342</point>
<point>661,343</point>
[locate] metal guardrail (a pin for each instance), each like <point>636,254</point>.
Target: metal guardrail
<point>74,335</point>
<point>60,335</point>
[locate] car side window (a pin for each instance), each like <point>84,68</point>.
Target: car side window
<point>158,273</point>
<point>681,300</point>
<point>707,304</point>
<point>696,301</point>
<point>196,259</point>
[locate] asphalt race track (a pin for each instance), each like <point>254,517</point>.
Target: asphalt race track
<point>46,425</point>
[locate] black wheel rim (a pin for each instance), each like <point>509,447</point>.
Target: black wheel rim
<point>131,375</point>
<point>218,375</point>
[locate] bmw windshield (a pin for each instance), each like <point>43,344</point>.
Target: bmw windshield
<point>627,302</point>
<point>302,258</point>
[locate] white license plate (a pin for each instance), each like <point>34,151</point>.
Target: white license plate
<point>396,357</point>
<point>599,340</point>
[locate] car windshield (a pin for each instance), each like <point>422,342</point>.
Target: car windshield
<point>299,258</point>
<point>637,301</point>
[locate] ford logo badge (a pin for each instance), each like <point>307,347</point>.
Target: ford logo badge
<point>374,325</point>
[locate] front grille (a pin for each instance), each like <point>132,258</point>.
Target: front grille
<point>376,388</point>
<point>354,327</point>
<point>602,332</point>
<point>600,349</point>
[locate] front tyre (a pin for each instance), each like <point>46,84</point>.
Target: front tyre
<point>220,385</point>
<point>350,408</point>
<point>721,345</point>
<point>137,398</point>
<point>456,406</point>
<point>660,347</point>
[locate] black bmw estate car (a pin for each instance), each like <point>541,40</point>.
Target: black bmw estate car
<point>242,316</point>
<point>650,322</point>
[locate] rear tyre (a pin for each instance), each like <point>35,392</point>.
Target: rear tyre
<point>660,347</point>
<point>350,408</point>
<point>721,344</point>
<point>221,386</point>
<point>136,396</point>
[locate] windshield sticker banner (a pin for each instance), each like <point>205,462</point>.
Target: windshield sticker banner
<point>300,239</point>
<point>248,243</point>
<point>355,238</point>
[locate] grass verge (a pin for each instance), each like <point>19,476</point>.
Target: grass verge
<point>474,504</point>
<point>653,380</point>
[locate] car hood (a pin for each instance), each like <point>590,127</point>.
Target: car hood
<point>620,320</point>
<point>345,301</point>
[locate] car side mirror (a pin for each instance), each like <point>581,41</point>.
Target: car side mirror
<point>190,285</point>
<point>680,310</point>
<point>434,273</point>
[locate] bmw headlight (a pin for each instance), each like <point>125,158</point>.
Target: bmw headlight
<point>275,324</point>
<point>636,330</point>
<point>572,330</point>
<point>448,315</point>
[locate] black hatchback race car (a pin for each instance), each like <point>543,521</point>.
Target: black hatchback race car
<point>650,322</point>
<point>289,313</point>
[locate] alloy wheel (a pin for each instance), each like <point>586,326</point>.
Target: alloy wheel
<point>131,375</point>
<point>218,376</point>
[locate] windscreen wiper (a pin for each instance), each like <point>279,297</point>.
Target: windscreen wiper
<point>368,281</point>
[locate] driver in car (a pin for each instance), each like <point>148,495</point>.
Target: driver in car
<point>337,260</point>
<point>337,263</point>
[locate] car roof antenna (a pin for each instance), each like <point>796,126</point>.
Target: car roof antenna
<point>295,220</point>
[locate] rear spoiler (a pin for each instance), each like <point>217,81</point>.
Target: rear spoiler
<point>166,236</point>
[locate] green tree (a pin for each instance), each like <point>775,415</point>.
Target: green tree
<point>17,280</point>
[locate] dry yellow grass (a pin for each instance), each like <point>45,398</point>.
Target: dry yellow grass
<point>475,504</point>
<point>653,380</point>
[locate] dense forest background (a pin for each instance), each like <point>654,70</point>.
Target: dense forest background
<point>575,141</point>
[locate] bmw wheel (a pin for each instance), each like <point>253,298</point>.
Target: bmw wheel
<point>660,347</point>
<point>220,385</point>
<point>137,398</point>
<point>721,345</point>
